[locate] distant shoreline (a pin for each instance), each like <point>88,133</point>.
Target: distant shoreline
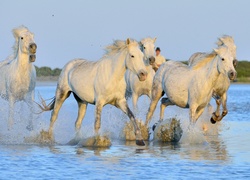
<point>52,81</point>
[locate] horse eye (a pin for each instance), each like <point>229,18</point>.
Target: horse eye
<point>144,47</point>
<point>132,56</point>
<point>222,59</point>
<point>21,37</point>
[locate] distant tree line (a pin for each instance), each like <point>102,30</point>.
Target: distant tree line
<point>243,71</point>
<point>47,71</point>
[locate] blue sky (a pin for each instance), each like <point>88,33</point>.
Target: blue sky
<point>65,30</point>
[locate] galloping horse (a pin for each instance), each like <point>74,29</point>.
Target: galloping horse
<point>135,87</point>
<point>190,87</point>
<point>18,74</point>
<point>222,84</point>
<point>100,83</point>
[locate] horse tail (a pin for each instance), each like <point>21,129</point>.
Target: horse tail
<point>46,107</point>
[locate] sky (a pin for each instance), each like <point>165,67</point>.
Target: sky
<point>65,30</point>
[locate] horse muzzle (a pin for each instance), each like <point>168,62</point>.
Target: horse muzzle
<point>32,48</point>
<point>232,75</point>
<point>32,58</point>
<point>142,75</point>
<point>151,60</point>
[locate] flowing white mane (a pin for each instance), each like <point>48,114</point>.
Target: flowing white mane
<point>148,39</point>
<point>227,40</point>
<point>118,46</point>
<point>145,40</point>
<point>202,62</point>
<point>16,33</point>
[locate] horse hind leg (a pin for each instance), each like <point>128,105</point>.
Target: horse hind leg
<point>61,96</point>
<point>82,106</point>
<point>98,112</point>
<point>156,95</point>
<point>164,103</point>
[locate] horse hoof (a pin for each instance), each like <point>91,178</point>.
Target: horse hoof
<point>212,121</point>
<point>29,127</point>
<point>140,143</point>
<point>154,126</point>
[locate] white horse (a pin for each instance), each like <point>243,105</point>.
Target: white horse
<point>223,82</point>
<point>17,72</point>
<point>100,83</point>
<point>135,87</point>
<point>190,87</point>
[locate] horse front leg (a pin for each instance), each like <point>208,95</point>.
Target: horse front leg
<point>11,112</point>
<point>30,101</point>
<point>224,105</point>
<point>134,100</point>
<point>216,114</point>
<point>122,104</point>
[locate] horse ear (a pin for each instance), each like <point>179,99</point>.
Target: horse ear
<point>128,41</point>
<point>220,42</point>
<point>140,43</point>
<point>155,39</point>
<point>216,51</point>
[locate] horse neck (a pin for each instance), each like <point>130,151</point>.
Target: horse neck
<point>211,72</point>
<point>118,65</point>
<point>22,62</point>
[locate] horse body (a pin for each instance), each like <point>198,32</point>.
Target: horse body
<point>135,87</point>
<point>99,83</point>
<point>190,87</point>
<point>222,85</point>
<point>18,74</point>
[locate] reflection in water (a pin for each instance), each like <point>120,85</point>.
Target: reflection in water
<point>226,147</point>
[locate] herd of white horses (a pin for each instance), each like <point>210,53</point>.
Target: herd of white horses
<point>124,71</point>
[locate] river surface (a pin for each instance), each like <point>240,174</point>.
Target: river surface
<point>222,153</point>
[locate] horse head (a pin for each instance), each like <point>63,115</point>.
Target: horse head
<point>134,60</point>
<point>148,48</point>
<point>25,40</point>
<point>229,42</point>
<point>225,63</point>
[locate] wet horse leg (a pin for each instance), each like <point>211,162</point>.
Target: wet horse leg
<point>82,106</point>
<point>216,114</point>
<point>157,93</point>
<point>164,103</point>
<point>122,104</point>
<point>29,101</point>
<point>98,112</point>
<point>11,112</point>
<point>224,105</point>
<point>135,99</point>
<point>61,96</point>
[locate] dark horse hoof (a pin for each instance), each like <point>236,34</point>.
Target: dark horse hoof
<point>140,143</point>
<point>154,126</point>
<point>212,120</point>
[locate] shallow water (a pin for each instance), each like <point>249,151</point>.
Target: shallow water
<point>221,155</point>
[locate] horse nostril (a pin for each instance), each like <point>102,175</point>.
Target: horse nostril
<point>33,46</point>
<point>152,59</point>
<point>232,74</point>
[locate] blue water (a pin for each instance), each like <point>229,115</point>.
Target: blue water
<point>225,155</point>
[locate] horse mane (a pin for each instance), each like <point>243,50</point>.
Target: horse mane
<point>148,39</point>
<point>16,33</point>
<point>144,40</point>
<point>118,46</point>
<point>225,39</point>
<point>202,62</point>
